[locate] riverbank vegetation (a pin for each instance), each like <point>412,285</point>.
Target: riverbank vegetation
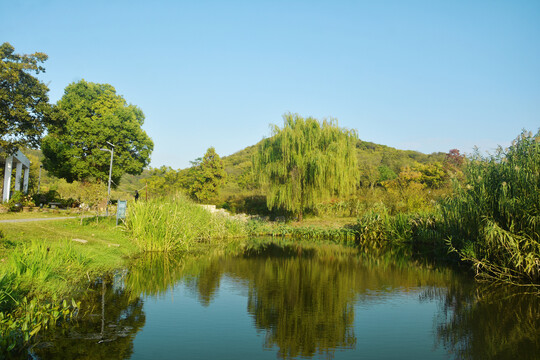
<point>177,224</point>
<point>44,265</point>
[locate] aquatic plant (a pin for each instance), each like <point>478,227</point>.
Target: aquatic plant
<point>19,326</point>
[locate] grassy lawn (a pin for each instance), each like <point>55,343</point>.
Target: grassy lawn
<point>107,247</point>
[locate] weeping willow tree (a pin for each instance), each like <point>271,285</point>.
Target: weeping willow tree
<point>306,162</point>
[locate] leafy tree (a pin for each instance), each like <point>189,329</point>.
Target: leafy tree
<point>454,158</point>
<point>92,115</point>
<point>186,177</point>
<point>209,176</point>
<point>306,162</point>
<point>163,181</point>
<point>385,173</point>
<point>24,103</point>
<point>433,175</point>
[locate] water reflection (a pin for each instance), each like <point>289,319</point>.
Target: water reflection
<point>491,323</point>
<point>304,300</point>
<point>105,330</point>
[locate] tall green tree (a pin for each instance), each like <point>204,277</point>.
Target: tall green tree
<point>24,103</point>
<point>306,162</point>
<point>92,115</point>
<point>208,177</point>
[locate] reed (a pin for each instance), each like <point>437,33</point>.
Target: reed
<point>493,220</point>
<point>169,224</point>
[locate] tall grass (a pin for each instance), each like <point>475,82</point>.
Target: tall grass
<point>32,269</point>
<point>36,268</point>
<point>493,220</point>
<point>169,224</point>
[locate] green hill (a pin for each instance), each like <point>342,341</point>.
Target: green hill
<point>375,161</point>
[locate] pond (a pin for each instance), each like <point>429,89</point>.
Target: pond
<point>286,300</point>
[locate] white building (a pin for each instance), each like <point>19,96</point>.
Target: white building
<point>22,164</point>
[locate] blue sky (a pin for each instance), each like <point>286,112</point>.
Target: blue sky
<point>421,75</point>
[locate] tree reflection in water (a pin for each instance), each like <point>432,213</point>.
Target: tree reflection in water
<point>110,317</point>
<point>491,322</point>
<point>303,298</point>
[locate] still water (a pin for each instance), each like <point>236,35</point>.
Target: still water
<point>285,300</point>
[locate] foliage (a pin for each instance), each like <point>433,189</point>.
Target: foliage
<point>242,192</point>
<point>20,318</point>
<point>306,162</point>
<point>163,181</point>
<point>15,202</point>
<point>385,173</point>
<point>343,235</point>
<point>19,326</point>
<point>494,219</point>
<point>249,204</point>
<point>208,177</point>
<point>90,115</point>
<point>177,224</point>
<point>92,195</point>
<point>24,103</point>
<point>454,158</point>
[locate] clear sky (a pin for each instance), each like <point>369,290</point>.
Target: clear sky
<point>422,75</point>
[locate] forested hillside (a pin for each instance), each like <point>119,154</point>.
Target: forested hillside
<point>377,163</point>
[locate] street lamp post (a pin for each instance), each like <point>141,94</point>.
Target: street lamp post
<point>39,181</point>
<point>110,174</point>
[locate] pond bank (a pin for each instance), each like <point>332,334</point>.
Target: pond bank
<point>41,262</point>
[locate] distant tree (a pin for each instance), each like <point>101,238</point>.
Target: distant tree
<point>186,177</point>
<point>24,104</point>
<point>92,115</point>
<point>385,173</point>
<point>454,158</point>
<point>433,175</point>
<point>208,177</point>
<point>306,162</point>
<point>163,181</point>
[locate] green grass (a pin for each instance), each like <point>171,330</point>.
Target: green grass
<point>37,214</point>
<point>52,242</point>
<point>102,239</point>
<point>177,224</point>
<point>41,264</point>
